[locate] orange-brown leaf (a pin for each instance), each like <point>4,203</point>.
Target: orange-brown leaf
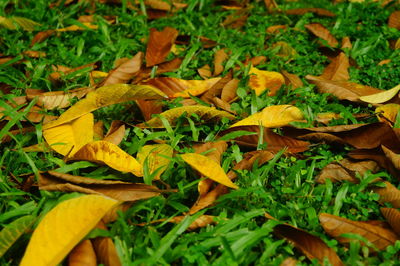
<point>261,80</point>
<point>323,33</point>
<point>337,69</point>
<point>318,11</point>
<point>393,217</point>
<point>394,20</point>
<point>159,45</point>
<point>389,194</point>
<point>82,255</point>
<point>219,58</point>
<point>105,249</point>
<point>116,133</point>
<point>292,79</point>
<point>201,221</point>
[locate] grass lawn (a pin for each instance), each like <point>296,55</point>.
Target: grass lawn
<point>286,169</point>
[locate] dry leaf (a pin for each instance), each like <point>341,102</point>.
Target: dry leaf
<point>82,255</point>
<point>105,250</point>
<point>220,57</point>
<point>87,25</point>
<point>61,71</point>
<point>208,114</point>
<point>344,90</point>
<point>118,190</point>
<point>393,217</point>
<point>302,11</point>
<point>292,79</point>
<point>159,45</point>
<point>283,49</point>
<point>392,156</point>
<point>271,5</point>
<point>98,132</point>
<point>110,154</point>
<point>388,113</point>
<point>161,68</point>
<point>68,138</point>
<point>63,227</point>
<point>261,80</point>
<point>381,97</point>
<point>42,36</point>
<point>105,96</point>
<point>289,262</point>
<point>228,92</point>
<point>216,89</point>
<point>124,72</point>
<point>116,133</point>
<point>201,221</point>
<point>323,33</point>
<point>272,116</point>
<point>205,72</point>
<point>155,158</point>
<point>389,194</point>
<point>337,69</point>
<point>346,43</point>
<point>394,20</point>
<point>149,108</point>
<point>275,28</point>
<point>208,168</point>
<point>336,226</point>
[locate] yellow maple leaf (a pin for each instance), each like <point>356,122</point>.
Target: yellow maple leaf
<point>261,80</point>
<point>208,168</point>
<point>63,227</point>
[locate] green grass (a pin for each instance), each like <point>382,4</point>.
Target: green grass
<point>285,187</point>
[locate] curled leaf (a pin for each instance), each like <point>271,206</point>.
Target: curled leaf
<point>381,97</point>
<point>393,217</point>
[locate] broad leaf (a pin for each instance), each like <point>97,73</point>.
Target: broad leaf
<point>381,97</point>
<point>82,254</point>
<point>389,194</point>
<point>159,45</point>
<point>154,154</point>
<point>116,133</point>
<point>388,113</point>
<point>393,217</point>
<point>338,69</point>
<point>261,80</point>
<point>63,227</point>
<point>323,33</point>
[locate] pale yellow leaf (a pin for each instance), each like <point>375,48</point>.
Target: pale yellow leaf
<point>154,160</point>
<point>387,113</point>
<point>63,227</point>
<point>105,96</point>
<point>381,97</point>
<point>209,168</point>
<point>68,138</point>
<point>78,28</point>
<point>261,80</point>
<point>273,116</point>
<point>208,114</point>
<point>105,152</point>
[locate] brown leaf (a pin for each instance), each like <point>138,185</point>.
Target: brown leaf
<point>116,133</point>
<point>337,69</point>
<point>344,90</point>
<point>216,89</point>
<point>159,45</point>
<point>98,132</point>
<point>323,33</point>
<point>336,226</point>
<point>317,11</point>
<point>289,262</point>
<point>311,246</point>
<point>42,36</point>
<point>273,141</point>
<point>222,105</point>
<point>82,255</point>
<point>124,72</point>
<point>292,79</point>
<point>201,221</point>
<point>236,20</point>
<point>228,92</point>
<point>34,54</point>
<point>162,68</point>
<point>346,43</point>
<point>275,28</point>
<point>219,58</point>
<point>105,249</point>
<point>205,72</point>
<point>60,71</point>
<point>389,194</point>
<point>394,20</point>
<point>392,156</point>
<point>271,5</point>
<point>122,191</point>
<point>149,108</point>
<point>346,170</point>
<point>393,217</point>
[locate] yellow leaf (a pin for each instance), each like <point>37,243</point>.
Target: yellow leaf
<point>77,28</point>
<point>155,161</point>
<point>105,96</point>
<point>381,97</point>
<point>195,87</point>
<point>261,80</point>
<point>98,74</point>
<point>388,112</point>
<point>208,168</point>
<point>24,23</point>
<point>208,114</point>
<point>105,152</point>
<point>63,227</point>
<point>68,138</point>
<point>273,116</point>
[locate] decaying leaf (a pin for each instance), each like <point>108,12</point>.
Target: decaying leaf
<point>219,58</point>
<point>149,108</point>
<point>24,23</point>
<point>82,254</point>
<point>116,133</point>
<point>105,96</point>
<point>381,97</point>
<point>205,72</point>
<point>208,114</point>
<point>11,232</point>
<point>289,262</point>
<point>104,152</point>
<point>394,20</point>
<point>208,168</point>
<point>68,138</point>
<point>389,194</point>
<point>393,217</point>
<point>118,190</point>
<point>323,33</point>
<point>105,249</point>
<point>156,158</point>
<point>283,49</point>
<point>292,79</point>
<point>63,227</point>
<point>337,69</point>
<point>201,221</point>
<point>261,80</point>
<point>273,116</point>
<point>388,113</point>
<point>159,45</point>
<point>228,92</point>
<point>392,156</point>
<point>335,226</point>
<point>302,11</point>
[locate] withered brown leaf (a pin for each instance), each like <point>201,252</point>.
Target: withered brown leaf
<point>323,33</point>
<point>159,45</point>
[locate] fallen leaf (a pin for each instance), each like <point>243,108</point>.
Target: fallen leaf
<point>149,108</point>
<point>289,262</point>
<point>118,190</point>
<point>63,71</point>
<point>201,221</point>
<point>283,49</point>
<point>323,33</point>
<point>388,113</point>
<point>53,238</point>
<point>82,254</point>
<point>116,133</point>
<point>257,60</point>
<point>24,23</point>
<point>42,36</point>
<point>394,20</point>
<point>346,43</point>
<point>392,156</point>
<point>105,249</point>
<point>393,217</point>
<point>216,89</point>
<point>261,80</point>
<point>208,168</point>
<point>11,232</point>
<point>337,69</point>
<point>388,194</point>
<point>159,45</point>
<point>68,138</point>
<point>271,5</point>
<point>161,68</point>
<point>105,96</point>
<point>272,116</point>
<point>292,79</point>
<point>302,11</point>
<point>104,152</point>
<point>381,97</point>
<point>86,26</point>
<point>124,72</point>
<point>155,158</point>
<point>336,226</point>
<point>228,92</point>
<point>208,114</point>
<point>275,29</point>
<point>98,132</point>
<point>344,90</point>
<point>205,72</point>
<point>220,57</point>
